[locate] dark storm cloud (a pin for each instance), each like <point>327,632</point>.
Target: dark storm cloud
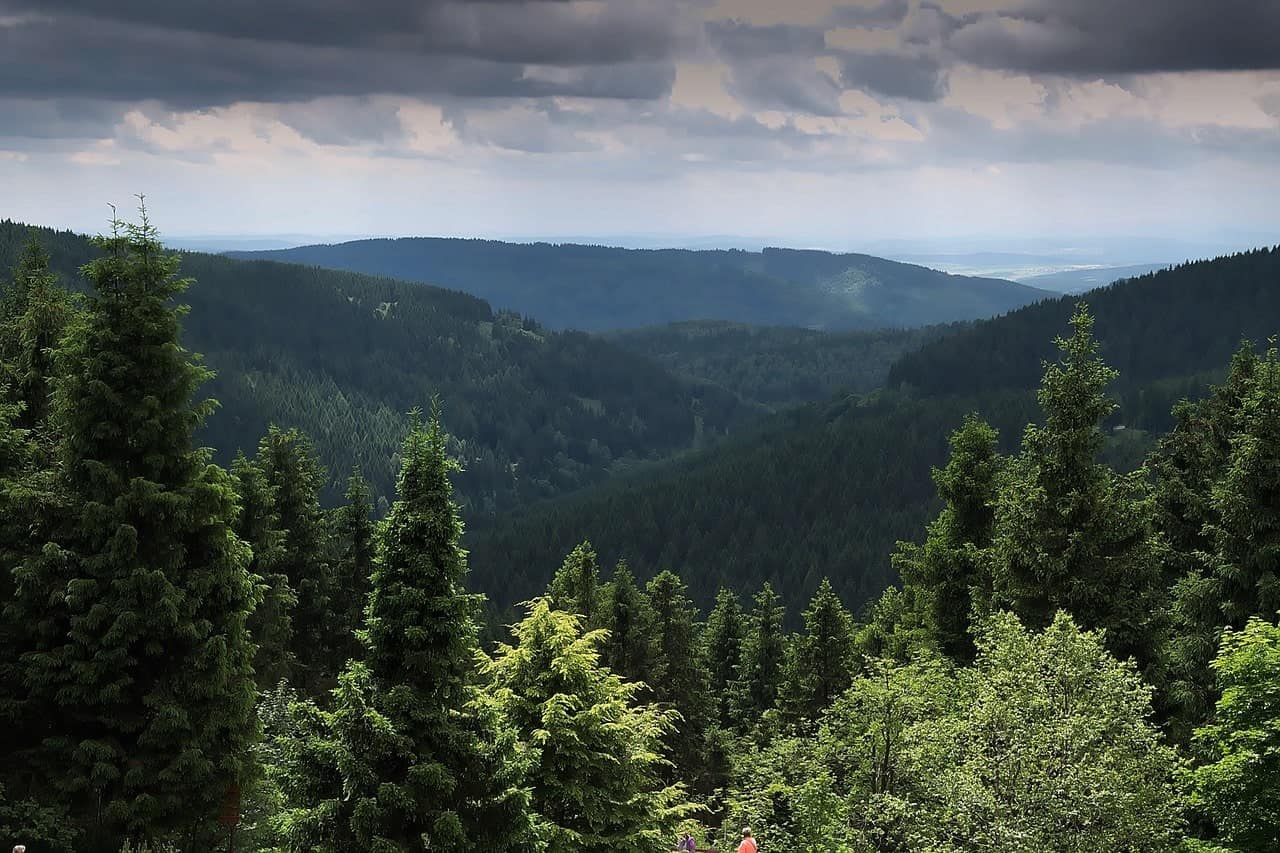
<point>203,54</point>
<point>785,83</point>
<point>884,15</point>
<point>740,40</point>
<point>1100,37</point>
<point>916,78</point>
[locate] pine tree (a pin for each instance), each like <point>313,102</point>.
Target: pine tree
<point>410,757</point>
<point>755,690</point>
<point>136,607</point>
<point>722,640</point>
<point>1186,468</point>
<point>595,748</point>
<point>948,573</point>
<point>295,479</point>
<point>631,648</point>
<point>820,663</point>
<point>682,660</point>
<point>35,312</point>
<point>576,585</point>
<point>271,623</point>
<point>1069,532</point>
<point>353,536</point>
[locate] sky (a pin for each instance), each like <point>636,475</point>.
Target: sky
<point>831,123</point>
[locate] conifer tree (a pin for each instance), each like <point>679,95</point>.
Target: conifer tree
<point>820,663</point>
<point>410,757</point>
<point>755,690</point>
<point>1186,468</point>
<point>295,478</point>
<point>595,749</point>
<point>722,639</point>
<point>631,647</point>
<point>35,312</point>
<point>576,585</point>
<point>1069,532</point>
<point>948,573</point>
<point>354,539</point>
<point>684,685</point>
<point>271,623</point>
<point>139,657</point>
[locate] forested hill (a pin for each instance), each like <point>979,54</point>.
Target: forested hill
<point>343,356</point>
<point>777,366</point>
<point>598,288</point>
<point>830,488</point>
<point>1183,320</point>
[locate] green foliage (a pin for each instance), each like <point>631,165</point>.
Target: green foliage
<point>684,680</point>
<point>755,690</point>
<point>777,366</point>
<point>1238,784</point>
<point>947,573</point>
<point>576,585</point>
<point>1069,532</point>
<point>820,662</point>
<point>293,478</point>
<point>410,757</point>
<point>35,312</point>
<point>594,749</point>
<point>722,639</point>
<point>137,657</point>
<point>353,536</point>
<point>631,644</point>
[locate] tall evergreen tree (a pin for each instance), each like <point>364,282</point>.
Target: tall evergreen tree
<point>820,662</point>
<point>136,607</point>
<point>295,479</point>
<point>595,748</point>
<point>1186,468</point>
<point>948,572</point>
<point>353,536</point>
<point>631,648</point>
<point>722,640</point>
<point>271,623</point>
<point>410,757</point>
<point>576,585</point>
<point>684,685</point>
<point>35,312</point>
<point>760,672</point>
<point>1069,532</point>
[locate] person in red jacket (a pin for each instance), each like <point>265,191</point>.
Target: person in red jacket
<point>748,844</point>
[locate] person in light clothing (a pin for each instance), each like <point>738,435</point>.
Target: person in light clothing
<point>748,844</point>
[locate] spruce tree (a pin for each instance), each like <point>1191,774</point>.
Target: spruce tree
<point>820,663</point>
<point>722,640</point>
<point>410,757</point>
<point>35,312</point>
<point>576,585</point>
<point>271,623</point>
<point>353,535</point>
<point>1186,468</point>
<point>755,690</point>
<point>295,479</point>
<point>1069,532</point>
<point>681,658</point>
<point>631,648</point>
<point>138,653</point>
<point>948,573</point>
<point>595,749</point>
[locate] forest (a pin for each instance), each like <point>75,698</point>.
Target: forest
<point>600,288</point>
<point>1079,655</point>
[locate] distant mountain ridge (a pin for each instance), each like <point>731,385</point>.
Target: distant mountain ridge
<point>598,288</point>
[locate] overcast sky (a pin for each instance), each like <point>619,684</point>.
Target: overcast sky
<point>809,122</point>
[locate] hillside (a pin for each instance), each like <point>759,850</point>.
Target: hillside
<point>828,489</point>
<point>1178,321</point>
<point>777,365</point>
<point>597,288</point>
<point>1090,278</point>
<point>343,356</point>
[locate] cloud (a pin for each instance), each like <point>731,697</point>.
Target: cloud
<point>786,83</point>
<point>916,78</point>
<point>1101,37</point>
<point>885,14</point>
